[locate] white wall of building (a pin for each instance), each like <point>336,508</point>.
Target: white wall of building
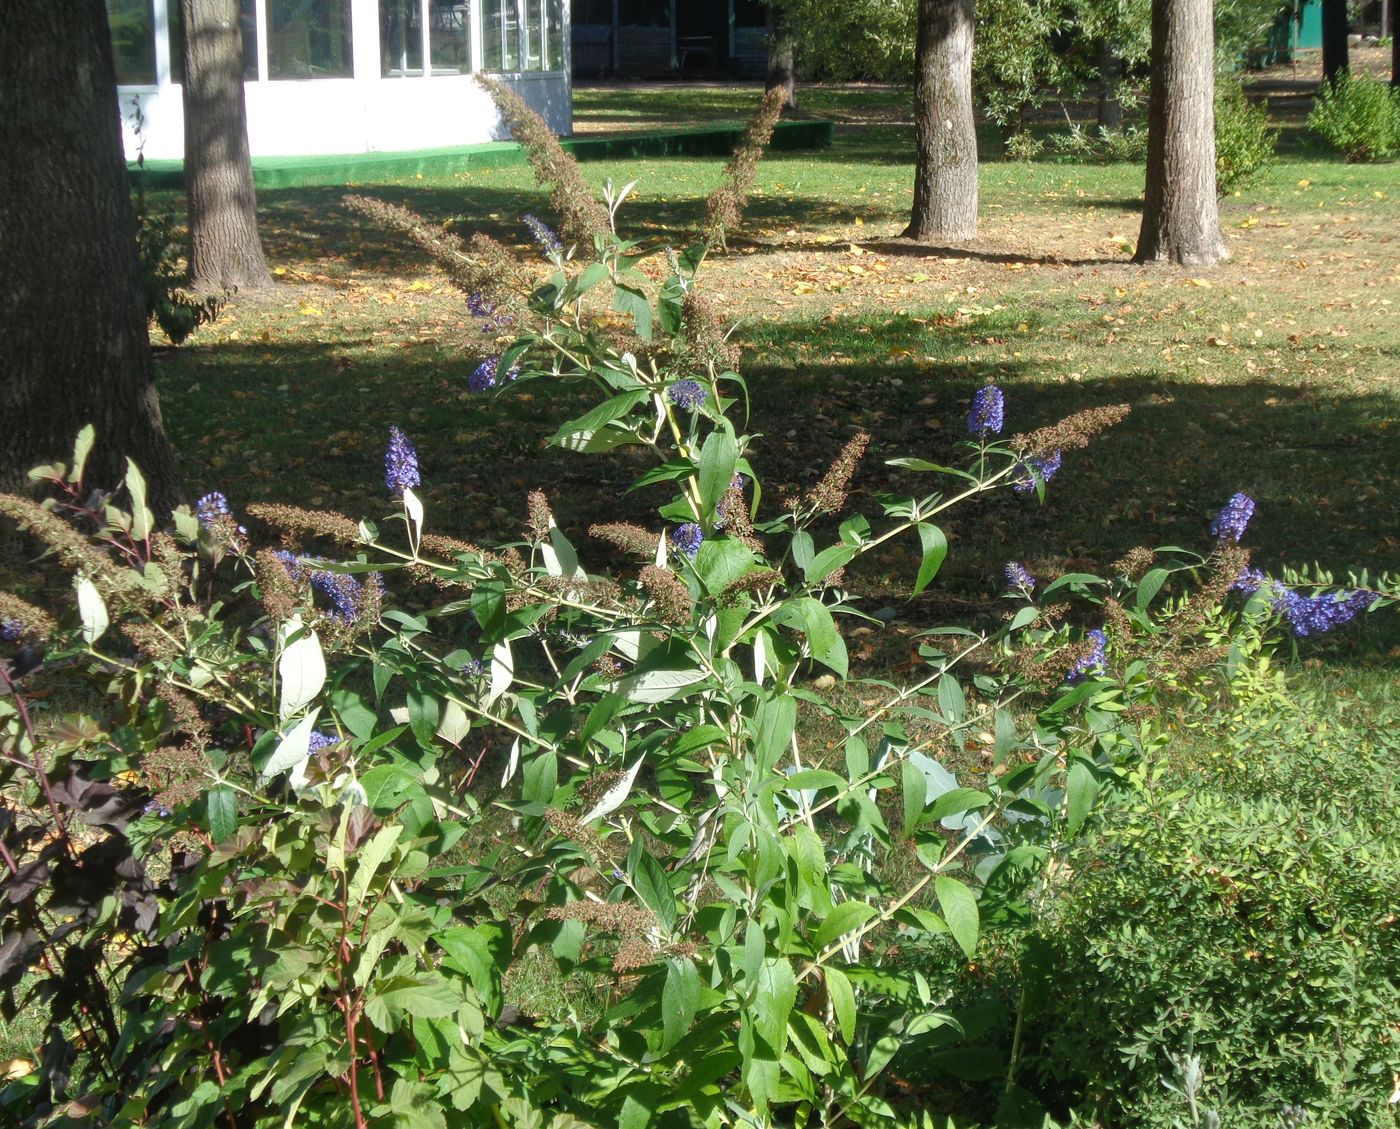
<point>366,113</point>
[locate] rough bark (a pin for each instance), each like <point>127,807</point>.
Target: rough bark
<point>782,51</point>
<point>1336,54</point>
<point>1181,213</point>
<point>225,252</point>
<point>72,305</point>
<point>945,175</point>
<point>1395,43</point>
<point>1110,75</point>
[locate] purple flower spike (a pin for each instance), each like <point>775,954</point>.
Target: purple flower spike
<point>1093,662</point>
<point>988,411</point>
<point>210,508</point>
<point>1230,523</point>
<point>488,374</point>
<point>1044,469</point>
<point>687,539</point>
<point>688,394</point>
<point>1315,615</point>
<point>1019,578</point>
<point>400,463</point>
<point>542,234</point>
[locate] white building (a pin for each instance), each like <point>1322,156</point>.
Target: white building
<point>349,76</point>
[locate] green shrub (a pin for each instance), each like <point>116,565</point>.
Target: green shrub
<point>1244,143</point>
<point>1360,117</point>
<point>1241,915</point>
<point>1104,146</point>
<point>336,828</point>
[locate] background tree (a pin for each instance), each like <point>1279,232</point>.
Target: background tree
<point>1335,50</point>
<point>1181,213</point>
<point>72,303</point>
<point>945,175</point>
<point>782,51</point>
<point>225,252</point>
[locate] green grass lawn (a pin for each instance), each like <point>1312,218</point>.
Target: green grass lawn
<point>1274,373</point>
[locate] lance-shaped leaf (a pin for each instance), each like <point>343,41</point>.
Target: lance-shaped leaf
<point>301,669</point>
<point>612,799</point>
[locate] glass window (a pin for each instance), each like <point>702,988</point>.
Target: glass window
<point>554,14</point>
<point>133,28</point>
<point>400,37</point>
<point>534,35</point>
<point>309,39</point>
<point>500,35</point>
<point>450,36</point>
<point>247,24</point>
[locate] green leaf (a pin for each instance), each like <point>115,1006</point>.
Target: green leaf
<point>815,779</point>
<point>655,889</point>
<point>958,800</point>
<point>1150,585</point>
<point>880,1053</point>
<point>489,608</point>
<point>915,791</point>
<point>415,1105</point>
<point>959,908</point>
<point>802,549</point>
<point>843,1001</point>
<point>301,669</point>
<point>388,1000</point>
<point>638,1106</point>
<point>657,685</point>
<point>952,702</point>
<point>776,996</point>
<point>1070,580</point>
<point>841,920</point>
<point>593,274</point>
<point>92,612</point>
<point>599,417</point>
<point>1080,793</point>
<point>292,749</point>
<point>717,458</point>
<point>828,561</point>
<point>680,999</point>
<point>627,300</point>
<point>424,710</point>
<point>371,858</point>
<point>222,808</point>
<point>925,465</point>
<point>934,546</point>
<point>82,448</point>
<point>141,517</point>
<point>813,618</point>
<point>1023,617</point>
<point>774,721</point>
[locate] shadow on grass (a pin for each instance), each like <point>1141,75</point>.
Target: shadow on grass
<point>306,424</point>
<point>297,222</point>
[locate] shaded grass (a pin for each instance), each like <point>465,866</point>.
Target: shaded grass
<point>1275,374</point>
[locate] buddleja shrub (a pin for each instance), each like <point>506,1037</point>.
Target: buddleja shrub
<point>296,862</point>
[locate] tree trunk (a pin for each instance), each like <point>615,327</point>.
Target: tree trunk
<point>1110,74</point>
<point>1335,52</point>
<point>1395,43</point>
<point>72,304</point>
<point>945,176</point>
<point>1181,212</point>
<point>225,253</point>
<point>782,50</point>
